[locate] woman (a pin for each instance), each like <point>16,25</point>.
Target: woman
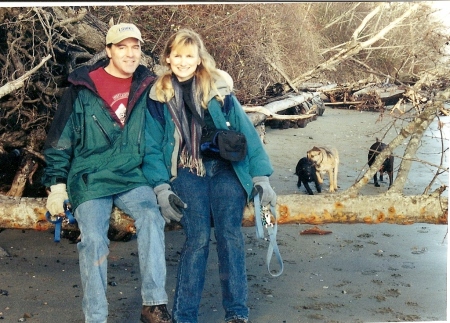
<point>187,105</point>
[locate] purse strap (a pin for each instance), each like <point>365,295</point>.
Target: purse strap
<point>263,221</point>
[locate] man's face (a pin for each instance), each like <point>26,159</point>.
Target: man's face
<point>124,58</point>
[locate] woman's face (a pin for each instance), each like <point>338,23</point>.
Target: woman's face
<point>183,61</point>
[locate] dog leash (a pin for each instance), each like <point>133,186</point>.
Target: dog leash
<point>264,222</point>
<point>67,218</point>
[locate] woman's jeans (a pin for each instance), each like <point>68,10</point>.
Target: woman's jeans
<point>217,198</point>
<point>93,221</point>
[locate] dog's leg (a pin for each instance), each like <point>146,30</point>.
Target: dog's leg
<point>375,180</point>
<point>299,182</point>
<point>319,177</point>
<point>331,176</point>
<point>391,170</point>
<point>316,183</point>
<point>308,189</point>
<point>318,186</point>
<point>336,173</point>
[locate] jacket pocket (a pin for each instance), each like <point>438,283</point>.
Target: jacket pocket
<point>102,130</point>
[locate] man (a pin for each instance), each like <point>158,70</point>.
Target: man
<point>93,152</point>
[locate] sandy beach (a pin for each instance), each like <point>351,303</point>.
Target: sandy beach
<point>357,273</point>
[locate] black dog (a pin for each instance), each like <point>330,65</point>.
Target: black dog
<point>388,164</point>
<point>306,173</point>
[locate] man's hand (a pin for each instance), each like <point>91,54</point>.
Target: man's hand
<point>169,203</point>
<point>56,198</point>
<point>266,192</point>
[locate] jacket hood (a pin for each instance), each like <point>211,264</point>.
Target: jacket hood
<point>80,76</point>
<point>224,85</point>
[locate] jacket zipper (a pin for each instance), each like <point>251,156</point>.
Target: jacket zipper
<point>102,129</point>
<point>140,134</point>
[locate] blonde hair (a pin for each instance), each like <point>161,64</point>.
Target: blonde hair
<point>204,74</point>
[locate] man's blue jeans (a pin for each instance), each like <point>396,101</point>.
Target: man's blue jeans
<point>93,221</point>
<point>217,198</point>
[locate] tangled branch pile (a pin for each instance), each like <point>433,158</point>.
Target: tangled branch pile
<point>29,37</point>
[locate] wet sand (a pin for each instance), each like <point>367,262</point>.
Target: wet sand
<point>357,273</point>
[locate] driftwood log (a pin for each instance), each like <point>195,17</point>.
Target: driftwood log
<point>29,213</point>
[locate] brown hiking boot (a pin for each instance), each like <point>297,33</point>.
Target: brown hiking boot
<point>155,314</point>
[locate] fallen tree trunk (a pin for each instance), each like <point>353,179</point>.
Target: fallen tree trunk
<point>339,208</point>
<point>29,213</point>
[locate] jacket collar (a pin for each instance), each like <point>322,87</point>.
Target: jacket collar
<point>142,79</point>
<point>223,82</point>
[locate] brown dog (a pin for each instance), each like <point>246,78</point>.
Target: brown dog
<point>325,160</point>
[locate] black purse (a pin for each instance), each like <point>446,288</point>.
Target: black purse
<point>222,143</point>
<point>232,144</point>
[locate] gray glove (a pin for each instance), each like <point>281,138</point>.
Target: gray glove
<point>266,192</point>
<point>169,203</point>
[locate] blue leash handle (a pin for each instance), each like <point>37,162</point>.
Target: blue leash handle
<point>272,231</point>
<point>59,220</point>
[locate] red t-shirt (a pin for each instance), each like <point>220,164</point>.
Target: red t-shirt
<point>114,91</point>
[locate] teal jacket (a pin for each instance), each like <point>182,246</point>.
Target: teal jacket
<point>161,150</point>
<point>87,149</point>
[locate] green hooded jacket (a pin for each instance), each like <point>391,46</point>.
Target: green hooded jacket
<point>87,149</point>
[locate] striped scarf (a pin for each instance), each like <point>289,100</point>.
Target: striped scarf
<point>190,134</point>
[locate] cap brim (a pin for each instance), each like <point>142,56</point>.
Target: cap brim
<point>124,36</point>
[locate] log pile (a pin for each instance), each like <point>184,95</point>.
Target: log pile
<point>370,96</point>
<point>362,97</point>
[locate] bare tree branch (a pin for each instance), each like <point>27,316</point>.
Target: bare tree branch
<point>366,20</point>
<point>17,84</point>
<point>353,48</point>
